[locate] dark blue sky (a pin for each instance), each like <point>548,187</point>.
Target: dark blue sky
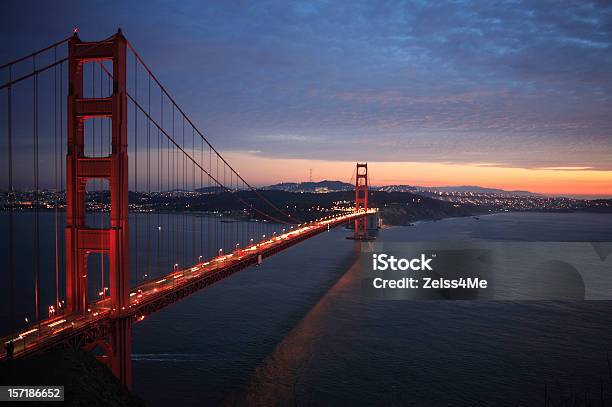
<point>513,84</point>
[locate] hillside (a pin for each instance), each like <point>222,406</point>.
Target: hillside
<point>397,208</point>
<point>320,186</point>
<point>86,381</point>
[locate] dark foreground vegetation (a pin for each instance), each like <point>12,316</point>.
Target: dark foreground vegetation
<point>86,381</point>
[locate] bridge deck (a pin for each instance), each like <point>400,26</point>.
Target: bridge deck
<point>79,330</point>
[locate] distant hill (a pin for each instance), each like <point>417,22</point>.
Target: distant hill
<point>332,186</point>
<point>478,190</point>
<point>321,186</point>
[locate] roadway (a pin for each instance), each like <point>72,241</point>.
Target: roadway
<point>153,295</point>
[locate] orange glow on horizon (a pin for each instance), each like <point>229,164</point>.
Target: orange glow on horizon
<point>548,181</point>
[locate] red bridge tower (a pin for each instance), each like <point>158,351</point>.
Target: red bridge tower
<point>81,240</point>
<point>361,200</point>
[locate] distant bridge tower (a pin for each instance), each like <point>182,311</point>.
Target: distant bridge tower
<point>81,240</point>
<point>361,200</point>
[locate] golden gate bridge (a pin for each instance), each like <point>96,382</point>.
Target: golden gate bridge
<point>110,107</point>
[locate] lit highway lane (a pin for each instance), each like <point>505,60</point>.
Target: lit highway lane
<point>60,326</point>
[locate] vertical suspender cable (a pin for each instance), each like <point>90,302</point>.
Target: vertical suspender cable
<point>233,226</point>
<point>55,158</point>
<point>136,253</point>
<point>168,220</point>
<point>224,226</point>
<point>159,232</point>
<point>243,225</point>
<point>102,196</point>
<point>184,159</point>
<point>239,218</point>
<point>61,143</point>
<point>147,214</point>
<point>193,256</point>
<point>181,176</point>
<point>168,198</point>
<point>236,225</point>
<point>199,196</point>
<point>36,186</point>
<point>174,218</point>
<point>219,192</point>
<point>159,170</point>
<point>208,220</point>
<point>171,175</point>
<point>160,181</point>
<point>11,247</point>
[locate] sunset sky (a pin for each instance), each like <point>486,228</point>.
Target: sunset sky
<point>510,95</point>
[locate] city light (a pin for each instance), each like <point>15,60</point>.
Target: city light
<point>23,334</point>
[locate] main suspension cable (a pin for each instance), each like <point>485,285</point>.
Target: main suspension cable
<point>145,66</point>
<point>171,139</point>
<point>219,156</point>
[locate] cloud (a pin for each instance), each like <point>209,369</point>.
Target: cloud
<point>525,85</point>
<point>567,168</point>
